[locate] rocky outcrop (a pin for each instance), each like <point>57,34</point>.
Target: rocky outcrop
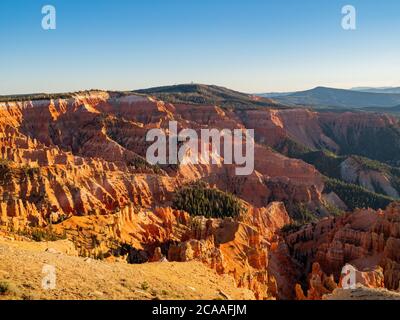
<point>319,284</point>
<point>165,234</point>
<point>85,154</point>
<point>362,294</point>
<point>374,179</point>
<point>371,135</point>
<point>300,125</point>
<point>366,239</point>
<point>78,165</point>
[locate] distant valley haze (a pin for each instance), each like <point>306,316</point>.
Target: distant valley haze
<point>358,97</point>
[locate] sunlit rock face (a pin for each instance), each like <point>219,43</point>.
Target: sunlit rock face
<point>366,239</point>
<point>79,154</point>
<point>78,164</point>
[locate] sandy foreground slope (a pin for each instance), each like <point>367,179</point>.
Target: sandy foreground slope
<point>362,293</point>
<point>21,265</point>
<point>78,278</point>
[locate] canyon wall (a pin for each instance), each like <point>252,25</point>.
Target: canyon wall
<point>366,239</point>
<point>78,166</point>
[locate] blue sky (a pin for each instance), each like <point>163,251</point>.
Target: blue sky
<point>252,45</point>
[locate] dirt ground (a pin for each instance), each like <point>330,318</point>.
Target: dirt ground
<point>363,293</point>
<point>21,267</point>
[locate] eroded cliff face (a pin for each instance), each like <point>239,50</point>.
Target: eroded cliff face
<point>338,132</point>
<point>238,247</point>
<point>86,154</point>
<point>374,179</point>
<point>78,166</point>
<point>366,239</point>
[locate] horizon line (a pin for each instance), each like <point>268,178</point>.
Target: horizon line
<point>195,83</point>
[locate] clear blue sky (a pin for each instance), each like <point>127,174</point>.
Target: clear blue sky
<point>252,45</point>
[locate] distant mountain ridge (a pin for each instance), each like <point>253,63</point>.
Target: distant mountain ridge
<point>395,90</point>
<point>340,98</point>
<point>209,94</point>
<point>274,94</point>
<point>198,94</point>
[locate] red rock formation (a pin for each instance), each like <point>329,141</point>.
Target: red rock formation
<point>79,163</point>
<point>174,234</point>
<point>369,240</point>
<point>307,127</point>
<point>81,155</point>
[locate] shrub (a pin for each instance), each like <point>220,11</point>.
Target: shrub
<point>144,285</point>
<point>141,164</point>
<point>325,162</point>
<point>5,172</point>
<point>301,214</point>
<point>4,287</point>
<point>355,196</point>
<point>291,148</point>
<point>45,234</point>
<point>199,200</point>
<point>333,210</point>
<point>100,256</point>
<point>7,288</point>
